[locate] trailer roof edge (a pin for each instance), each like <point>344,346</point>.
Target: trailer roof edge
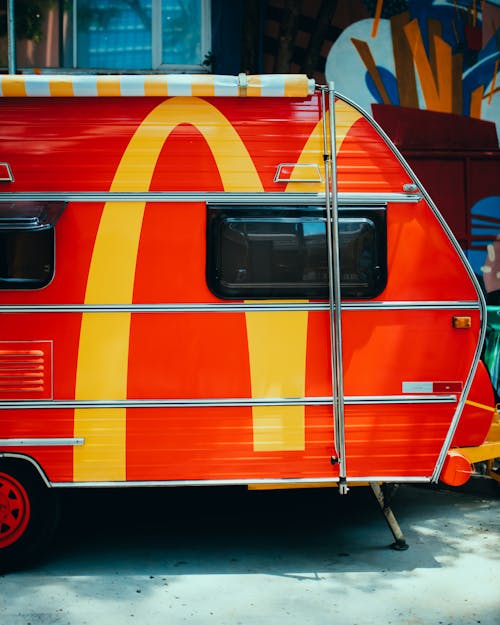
<point>163,85</point>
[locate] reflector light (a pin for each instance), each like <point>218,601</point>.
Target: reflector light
<point>461,323</point>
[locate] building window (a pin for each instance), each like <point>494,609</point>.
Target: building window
<point>282,252</point>
<point>142,34</point>
<point>117,35</point>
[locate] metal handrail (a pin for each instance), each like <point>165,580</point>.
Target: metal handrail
<point>334,294</point>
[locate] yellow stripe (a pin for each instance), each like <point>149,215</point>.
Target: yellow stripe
<point>155,86</point>
<point>254,87</point>
<point>481,453</point>
<point>104,338</point>
<point>277,349</point>
<point>203,86</point>
<point>13,86</point>
<point>345,117</point>
<point>296,86</point>
<point>108,86</point>
<point>61,87</point>
<point>482,406</point>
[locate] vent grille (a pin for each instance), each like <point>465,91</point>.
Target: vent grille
<point>26,370</point>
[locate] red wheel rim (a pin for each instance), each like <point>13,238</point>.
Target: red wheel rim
<point>14,510</point>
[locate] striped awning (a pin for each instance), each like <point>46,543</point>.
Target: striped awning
<point>79,85</point>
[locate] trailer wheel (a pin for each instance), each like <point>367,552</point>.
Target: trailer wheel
<point>29,512</point>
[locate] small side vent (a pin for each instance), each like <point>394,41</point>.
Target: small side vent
<point>26,370</point>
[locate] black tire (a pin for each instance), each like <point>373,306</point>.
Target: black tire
<point>29,513</point>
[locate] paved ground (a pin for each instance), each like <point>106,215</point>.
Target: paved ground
<point>232,557</point>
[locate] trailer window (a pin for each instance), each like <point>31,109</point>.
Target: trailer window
<point>259,253</point>
<point>26,259</point>
<point>27,244</point>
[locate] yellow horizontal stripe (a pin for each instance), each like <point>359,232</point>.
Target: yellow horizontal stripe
<point>139,85</point>
<point>203,86</point>
<point>13,86</point>
<point>253,91</point>
<point>62,87</point>
<point>108,86</point>
<point>155,86</point>
<point>481,453</point>
<point>296,86</point>
<point>482,406</point>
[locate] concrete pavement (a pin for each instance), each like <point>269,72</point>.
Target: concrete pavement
<point>233,557</point>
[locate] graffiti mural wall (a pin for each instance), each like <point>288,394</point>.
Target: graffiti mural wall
<point>428,71</point>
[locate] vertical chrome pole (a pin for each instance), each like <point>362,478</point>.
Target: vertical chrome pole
<point>156,34</point>
<point>331,291</point>
<point>75,34</point>
<point>11,37</point>
<point>337,303</point>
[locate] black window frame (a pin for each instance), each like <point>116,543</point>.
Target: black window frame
<point>219,216</point>
<point>28,227</point>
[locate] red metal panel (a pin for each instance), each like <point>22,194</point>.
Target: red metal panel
<point>422,262</point>
<point>395,440</point>
<point>171,258</point>
<point>366,164</point>
<point>205,355</point>
<point>188,355</point>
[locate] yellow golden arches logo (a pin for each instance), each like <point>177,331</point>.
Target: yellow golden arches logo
<point>104,337</point>
<point>102,367</point>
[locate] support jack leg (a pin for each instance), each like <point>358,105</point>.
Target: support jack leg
<point>382,496</point>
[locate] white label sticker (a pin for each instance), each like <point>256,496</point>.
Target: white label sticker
<point>417,387</point>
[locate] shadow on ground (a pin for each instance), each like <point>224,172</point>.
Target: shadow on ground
<point>185,531</point>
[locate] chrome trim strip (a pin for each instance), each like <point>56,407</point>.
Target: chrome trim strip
<point>240,198</point>
<point>235,307</point>
<point>399,399</point>
<point>335,298</point>
<point>241,482</point>
<point>422,305</point>
<point>41,442</point>
<point>227,482</point>
<point>232,402</point>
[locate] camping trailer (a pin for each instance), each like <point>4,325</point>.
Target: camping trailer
<point>214,280</point>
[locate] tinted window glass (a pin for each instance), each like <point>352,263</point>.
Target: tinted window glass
<point>256,253</point>
<point>26,258</point>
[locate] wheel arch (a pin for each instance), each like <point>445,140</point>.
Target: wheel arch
<point>27,460</point>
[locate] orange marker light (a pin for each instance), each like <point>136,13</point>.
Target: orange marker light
<point>461,323</point>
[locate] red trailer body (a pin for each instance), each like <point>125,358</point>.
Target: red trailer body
<point>166,261</point>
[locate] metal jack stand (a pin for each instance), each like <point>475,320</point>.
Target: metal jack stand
<point>383,495</point>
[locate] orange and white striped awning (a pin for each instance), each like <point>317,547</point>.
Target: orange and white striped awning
<point>80,85</point>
